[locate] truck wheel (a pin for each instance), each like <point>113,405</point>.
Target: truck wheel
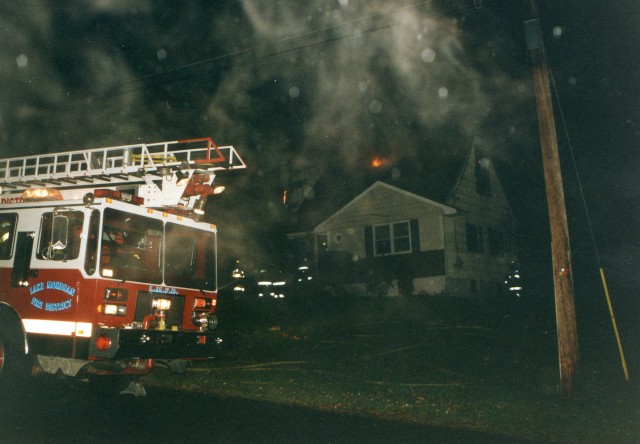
<point>13,361</point>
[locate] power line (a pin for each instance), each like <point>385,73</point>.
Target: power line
<point>283,40</point>
<point>256,48</point>
<point>239,53</point>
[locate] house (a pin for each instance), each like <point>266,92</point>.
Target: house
<point>408,243</point>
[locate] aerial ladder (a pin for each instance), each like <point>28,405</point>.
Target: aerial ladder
<point>174,175</point>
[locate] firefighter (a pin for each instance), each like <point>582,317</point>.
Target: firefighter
<point>111,240</point>
<point>239,286</point>
<point>114,251</point>
<point>513,280</point>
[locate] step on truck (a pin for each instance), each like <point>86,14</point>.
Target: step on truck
<point>106,263</point>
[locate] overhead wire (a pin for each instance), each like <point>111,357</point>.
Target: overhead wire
<point>242,52</point>
<point>255,48</point>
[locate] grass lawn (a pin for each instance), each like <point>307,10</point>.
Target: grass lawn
<point>433,361</point>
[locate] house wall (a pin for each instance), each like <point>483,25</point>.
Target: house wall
<point>445,263</point>
<point>345,231</point>
<point>477,272</point>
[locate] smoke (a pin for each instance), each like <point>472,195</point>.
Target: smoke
<point>374,75</point>
<point>54,73</point>
<point>303,89</point>
<point>365,79</point>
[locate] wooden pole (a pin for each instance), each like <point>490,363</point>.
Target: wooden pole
<point>560,249</point>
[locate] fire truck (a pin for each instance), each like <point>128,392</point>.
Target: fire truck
<point>107,265</point>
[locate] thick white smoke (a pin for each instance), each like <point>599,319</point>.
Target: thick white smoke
<point>368,71</point>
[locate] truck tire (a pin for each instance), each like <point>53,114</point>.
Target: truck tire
<point>14,363</point>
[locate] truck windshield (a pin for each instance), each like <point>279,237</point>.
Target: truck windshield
<point>131,247</point>
<point>142,249</point>
<point>190,257</point>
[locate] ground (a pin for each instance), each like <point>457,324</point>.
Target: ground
<point>484,366</point>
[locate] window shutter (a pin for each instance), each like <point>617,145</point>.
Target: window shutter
<point>415,236</point>
<point>368,240</point>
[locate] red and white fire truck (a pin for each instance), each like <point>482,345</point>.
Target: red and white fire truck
<point>105,264</point>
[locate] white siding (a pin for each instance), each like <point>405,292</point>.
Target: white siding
<point>486,212</point>
<point>382,205</point>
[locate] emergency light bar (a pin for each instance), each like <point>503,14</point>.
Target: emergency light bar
<point>41,194</point>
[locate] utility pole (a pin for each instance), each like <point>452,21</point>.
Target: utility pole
<point>560,249</point>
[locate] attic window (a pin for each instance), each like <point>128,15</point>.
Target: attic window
<point>483,181</point>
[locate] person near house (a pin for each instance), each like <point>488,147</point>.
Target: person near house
<point>513,280</point>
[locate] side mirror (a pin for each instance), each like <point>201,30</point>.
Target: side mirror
<point>59,232</point>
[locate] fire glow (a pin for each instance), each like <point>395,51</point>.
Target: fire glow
<point>379,162</point>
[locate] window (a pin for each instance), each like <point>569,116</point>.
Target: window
<point>190,257</point>
<point>475,240</point>
<point>131,247</point>
<point>7,234</point>
<point>483,179</point>
<point>401,237</point>
<point>496,242</point>
<point>392,238</point>
<point>382,238</point>
<point>90,260</point>
<point>67,245</point>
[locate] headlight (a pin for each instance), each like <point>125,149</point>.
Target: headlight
<point>115,309</point>
<point>161,304</point>
<point>200,319</point>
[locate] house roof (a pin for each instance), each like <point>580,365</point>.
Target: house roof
<point>433,177</point>
<point>378,184</point>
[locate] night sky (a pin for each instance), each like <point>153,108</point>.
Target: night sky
<point>312,91</point>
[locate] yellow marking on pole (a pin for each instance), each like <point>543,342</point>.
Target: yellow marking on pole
<point>615,326</point>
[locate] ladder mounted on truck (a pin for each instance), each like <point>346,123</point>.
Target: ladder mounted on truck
<point>158,169</point>
<point>116,165</point>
